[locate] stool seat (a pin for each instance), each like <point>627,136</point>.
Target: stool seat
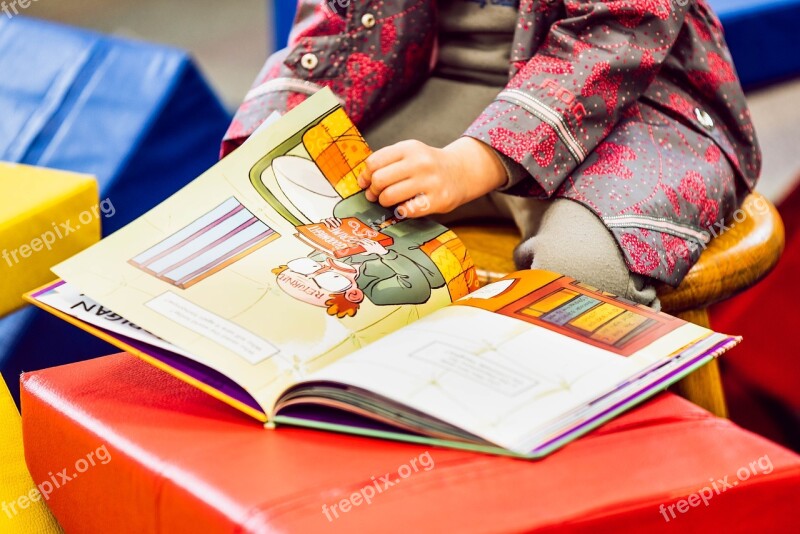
<point>734,261</point>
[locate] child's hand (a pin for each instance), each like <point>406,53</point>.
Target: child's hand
<point>449,177</point>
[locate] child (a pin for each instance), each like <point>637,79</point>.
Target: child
<point>614,133</point>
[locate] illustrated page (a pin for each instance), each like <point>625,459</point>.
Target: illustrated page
<point>515,355</point>
<point>273,264</point>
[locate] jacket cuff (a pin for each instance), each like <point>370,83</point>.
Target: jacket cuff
<point>515,173</point>
<point>532,135</point>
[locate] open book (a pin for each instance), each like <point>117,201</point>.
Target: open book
<point>373,322</point>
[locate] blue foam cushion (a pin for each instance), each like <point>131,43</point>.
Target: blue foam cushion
<point>284,12</point>
<point>763,38</point>
<point>138,116</point>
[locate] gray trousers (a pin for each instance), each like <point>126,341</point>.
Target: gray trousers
<point>559,235</point>
<point>563,236</point>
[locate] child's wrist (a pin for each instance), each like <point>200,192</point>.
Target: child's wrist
<point>479,167</point>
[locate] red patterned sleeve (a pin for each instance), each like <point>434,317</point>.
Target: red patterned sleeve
<point>369,53</point>
<point>595,61</point>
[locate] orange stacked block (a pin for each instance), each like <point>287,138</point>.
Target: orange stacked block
<point>451,257</point>
<point>339,150</point>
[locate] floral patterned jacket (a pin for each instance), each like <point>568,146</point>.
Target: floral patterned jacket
<point>576,67</point>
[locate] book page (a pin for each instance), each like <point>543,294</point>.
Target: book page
<point>67,300</point>
<point>219,269</point>
<point>516,355</point>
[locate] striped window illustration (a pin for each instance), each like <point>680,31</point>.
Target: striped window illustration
<point>219,238</point>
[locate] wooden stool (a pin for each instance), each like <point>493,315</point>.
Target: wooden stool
<point>733,262</point>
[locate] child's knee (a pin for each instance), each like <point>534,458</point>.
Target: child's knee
<point>601,266</point>
<point>570,238</point>
<point>584,261</point>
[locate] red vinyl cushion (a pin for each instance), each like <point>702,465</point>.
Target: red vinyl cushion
<point>182,461</point>
<point>760,377</point>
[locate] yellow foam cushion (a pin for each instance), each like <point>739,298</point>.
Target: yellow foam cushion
<point>21,507</point>
<point>46,216</point>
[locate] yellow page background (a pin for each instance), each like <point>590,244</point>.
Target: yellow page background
<point>305,337</point>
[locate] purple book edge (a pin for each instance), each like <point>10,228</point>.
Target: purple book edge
<point>198,371</point>
<point>634,398</point>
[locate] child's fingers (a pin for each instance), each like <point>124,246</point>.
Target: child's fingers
<point>417,206</point>
<point>378,160</point>
<point>388,176</point>
<point>399,192</point>
<point>391,174</point>
<point>385,156</point>
<point>364,179</point>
